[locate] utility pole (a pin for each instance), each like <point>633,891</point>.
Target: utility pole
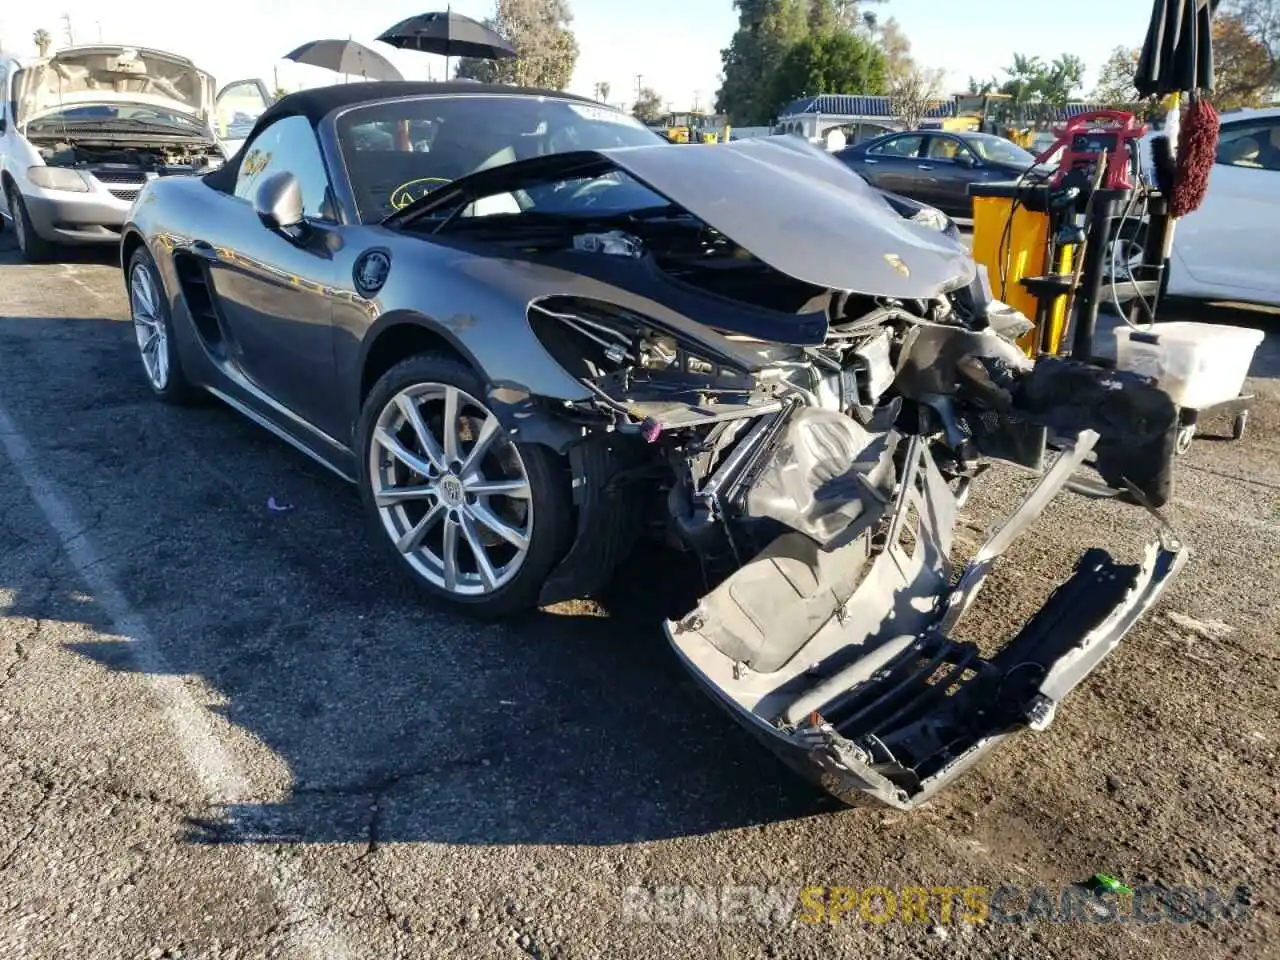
<point>639,82</point>
<point>66,21</point>
<point>99,31</point>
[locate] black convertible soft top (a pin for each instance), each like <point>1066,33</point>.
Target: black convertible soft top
<point>317,103</point>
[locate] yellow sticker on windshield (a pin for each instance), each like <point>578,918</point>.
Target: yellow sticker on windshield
<point>412,190</point>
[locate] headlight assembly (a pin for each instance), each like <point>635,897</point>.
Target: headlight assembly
<point>58,178</point>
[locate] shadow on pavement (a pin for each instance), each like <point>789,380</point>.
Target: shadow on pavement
<point>397,721</point>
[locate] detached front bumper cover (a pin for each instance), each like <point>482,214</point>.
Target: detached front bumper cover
<point>875,698</point>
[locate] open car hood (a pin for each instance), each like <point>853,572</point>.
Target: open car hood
<point>790,204</point>
<point>112,74</point>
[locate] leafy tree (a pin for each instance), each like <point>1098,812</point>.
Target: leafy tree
<point>767,29</point>
<point>1115,79</point>
<point>1031,81</point>
<point>1241,65</point>
<point>851,15</point>
<point>42,40</point>
<point>896,47</point>
<point>914,94</point>
<point>1261,21</point>
<point>1024,80</point>
<point>1061,79</point>
<point>833,62</point>
<point>541,34</point>
<point>648,106</point>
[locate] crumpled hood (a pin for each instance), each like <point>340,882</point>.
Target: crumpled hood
<point>112,74</point>
<point>804,213</point>
<point>791,205</point>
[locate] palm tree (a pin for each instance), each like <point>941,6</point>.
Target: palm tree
<point>604,91</point>
<point>42,41</point>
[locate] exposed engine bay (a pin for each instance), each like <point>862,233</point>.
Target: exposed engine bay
<point>139,156</point>
<point>818,486</point>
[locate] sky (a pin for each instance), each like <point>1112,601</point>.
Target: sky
<point>673,45</point>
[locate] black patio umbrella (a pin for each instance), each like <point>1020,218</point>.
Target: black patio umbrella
<point>450,35</point>
<point>1178,54</point>
<point>346,56</point>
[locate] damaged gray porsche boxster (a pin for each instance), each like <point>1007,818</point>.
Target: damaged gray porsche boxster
<point>534,333</point>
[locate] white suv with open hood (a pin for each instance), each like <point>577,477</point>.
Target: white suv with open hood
<point>83,130</point>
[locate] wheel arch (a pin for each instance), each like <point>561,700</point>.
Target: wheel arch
<point>130,241</point>
<point>398,334</point>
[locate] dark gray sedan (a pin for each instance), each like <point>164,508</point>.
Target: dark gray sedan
<point>533,333</point>
<point>937,168</point>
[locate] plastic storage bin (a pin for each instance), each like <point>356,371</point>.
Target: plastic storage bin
<point>1199,365</point>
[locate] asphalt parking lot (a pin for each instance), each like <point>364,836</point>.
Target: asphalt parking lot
<point>227,731</point>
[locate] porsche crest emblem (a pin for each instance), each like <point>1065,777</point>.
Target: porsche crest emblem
<point>370,272</point>
<point>895,261</point>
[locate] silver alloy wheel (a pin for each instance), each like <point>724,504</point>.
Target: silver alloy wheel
<point>148,326</point>
<point>444,475</point>
<point>1127,252</point>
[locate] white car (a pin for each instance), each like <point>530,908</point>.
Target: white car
<point>1226,250</point>
<point>83,130</point>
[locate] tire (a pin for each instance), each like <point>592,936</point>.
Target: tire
<point>153,331</point>
<point>1133,236</point>
<point>33,247</point>
<point>434,508</point>
<point>1239,425</point>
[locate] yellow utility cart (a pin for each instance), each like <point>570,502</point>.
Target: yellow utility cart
<point>1013,237</point>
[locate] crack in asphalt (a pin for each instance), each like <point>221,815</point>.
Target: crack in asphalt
<point>386,782</point>
<point>45,579</point>
<point>401,928</point>
<point>72,784</point>
<point>20,657</point>
<point>45,796</point>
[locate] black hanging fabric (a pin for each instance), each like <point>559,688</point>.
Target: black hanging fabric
<point>1178,54</point>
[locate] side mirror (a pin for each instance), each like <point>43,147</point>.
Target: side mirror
<point>966,160</point>
<point>278,202</point>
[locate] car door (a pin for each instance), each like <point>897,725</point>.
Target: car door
<point>892,164</point>
<point>274,292</point>
<point>947,167</point>
<point>1230,243</point>
<point>236,109</point>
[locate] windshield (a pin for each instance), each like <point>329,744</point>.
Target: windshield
<point>400,151</point>
<point>124,117</point>
<point>998,150</point>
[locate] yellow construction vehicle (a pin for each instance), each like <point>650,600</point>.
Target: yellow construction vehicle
<point>985,113</point>
<point>692,127</point>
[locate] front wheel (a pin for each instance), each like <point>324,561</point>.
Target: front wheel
<point>472,517</point>
<point>33,247</point>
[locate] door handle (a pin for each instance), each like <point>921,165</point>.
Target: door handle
<point>870,161</point>
<point>923,166</point>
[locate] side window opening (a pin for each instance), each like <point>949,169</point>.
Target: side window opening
<point>1251,145</point>
<point>899,147</point>
<point>288,144</point>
